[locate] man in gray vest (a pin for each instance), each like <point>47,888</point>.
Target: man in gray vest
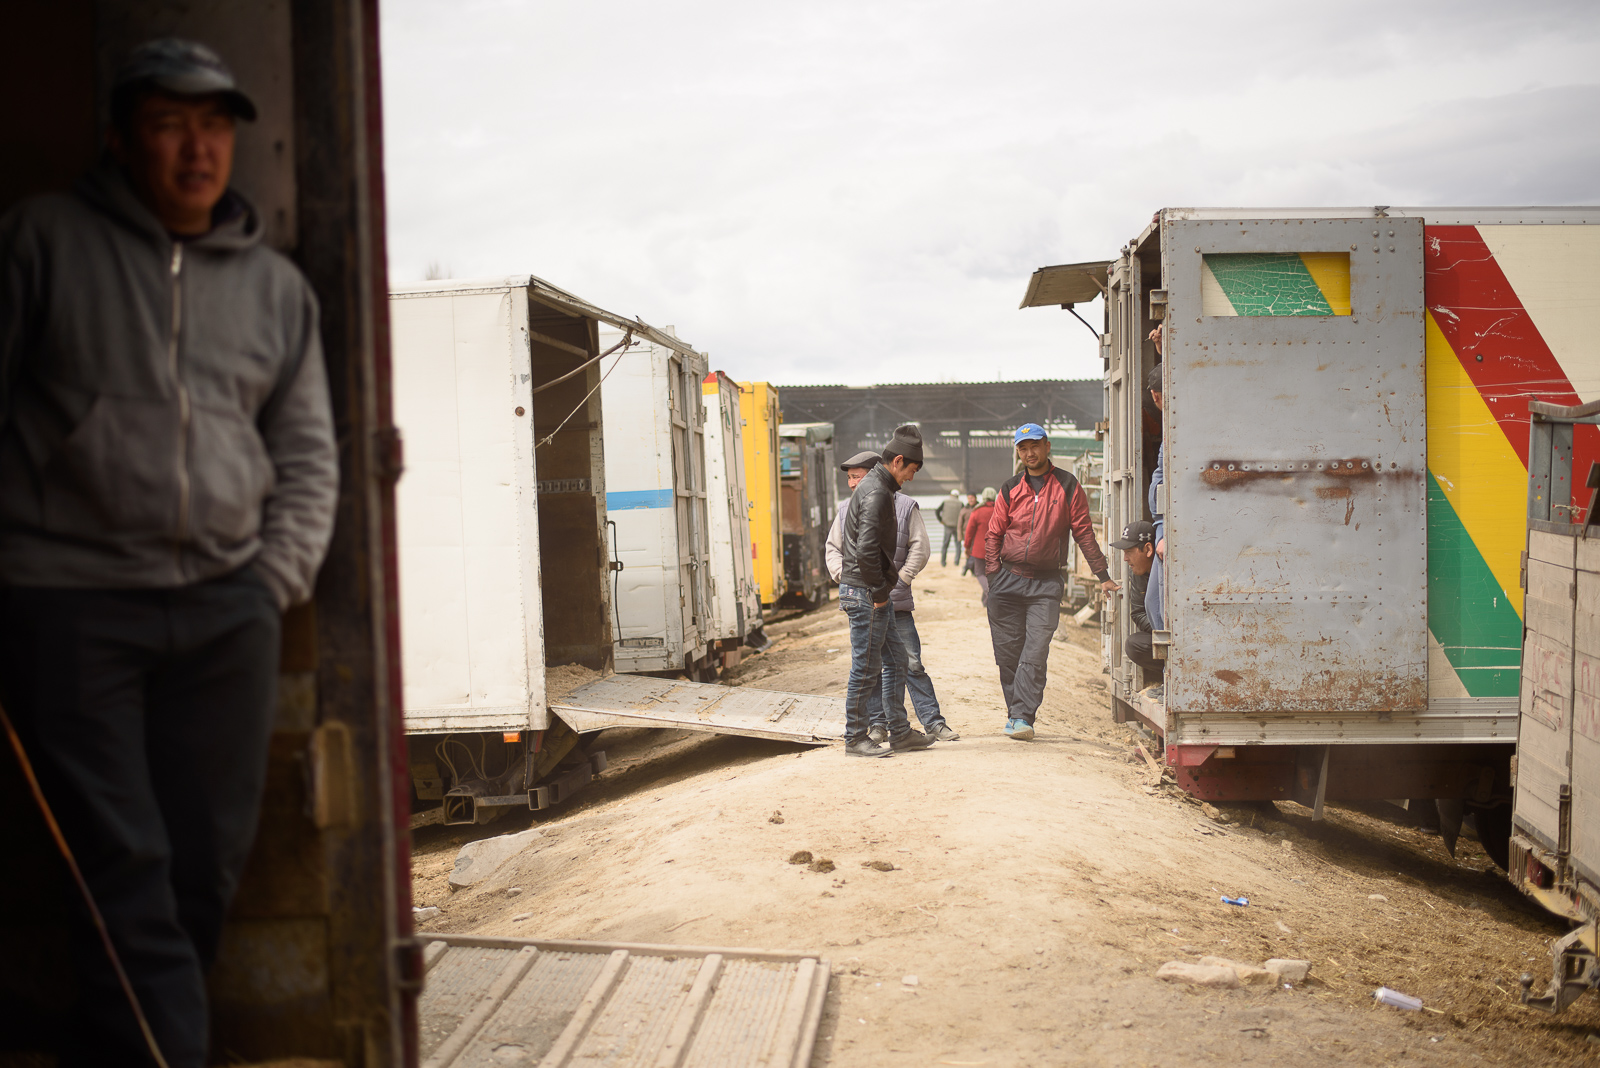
<point>912,552</point>
<point>949,515</point>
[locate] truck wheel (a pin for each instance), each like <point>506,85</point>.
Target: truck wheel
<point>1493,824</point>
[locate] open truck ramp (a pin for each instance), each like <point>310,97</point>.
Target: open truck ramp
<point>645,701</point>
<point>504,1002</point>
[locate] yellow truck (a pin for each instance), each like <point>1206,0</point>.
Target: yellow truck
<point>758,405</point>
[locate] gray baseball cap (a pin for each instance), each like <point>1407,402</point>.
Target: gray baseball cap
<point>869,460</point>
<point>182,68</point>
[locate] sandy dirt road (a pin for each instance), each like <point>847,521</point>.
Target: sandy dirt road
<point>1033,888</point>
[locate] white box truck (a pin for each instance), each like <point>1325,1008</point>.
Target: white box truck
<point>656,500</point>
<point>506,567</point>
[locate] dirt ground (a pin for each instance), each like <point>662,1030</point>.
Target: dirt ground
<point>1035,887</point>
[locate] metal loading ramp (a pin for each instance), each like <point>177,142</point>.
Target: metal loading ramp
<point>499,1002</point>
<point>644,701</point>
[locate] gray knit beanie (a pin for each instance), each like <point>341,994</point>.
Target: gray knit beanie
<point>907,442</point>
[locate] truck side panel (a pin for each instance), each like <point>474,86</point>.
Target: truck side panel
<point>1506,321</point>
<point>467,619</point>
<point>1296,568</point>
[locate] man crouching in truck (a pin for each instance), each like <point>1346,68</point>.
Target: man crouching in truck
<point>1138,547</point>
<point>1033,514</point>
<point>168,477</point>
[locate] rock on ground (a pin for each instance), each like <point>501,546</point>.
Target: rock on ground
<point>479,860</point>
<point>1212,975</point>
<point>1247,973</point>
<point>1289,971</point>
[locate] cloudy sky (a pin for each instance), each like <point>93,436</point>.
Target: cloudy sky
<point>857,191</point>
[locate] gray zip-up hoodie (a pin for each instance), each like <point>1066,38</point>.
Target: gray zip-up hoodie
<point>164,412</point>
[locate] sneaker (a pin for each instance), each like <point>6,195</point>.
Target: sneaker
<point>911,739</point>
<point>1020,729</point>
<point>866,747</point>
<point>878,734</point>
<point>945,733</point>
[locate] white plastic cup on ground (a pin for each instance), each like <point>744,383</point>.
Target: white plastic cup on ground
<point>1394,998</point>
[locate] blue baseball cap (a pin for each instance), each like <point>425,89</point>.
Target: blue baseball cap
<point>1028,432</point>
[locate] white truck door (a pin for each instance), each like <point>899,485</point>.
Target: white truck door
<point>1295,469</point>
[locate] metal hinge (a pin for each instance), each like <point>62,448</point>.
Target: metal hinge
<point>391,454</point>
<point>409,968</point>
<point>1522,574</point>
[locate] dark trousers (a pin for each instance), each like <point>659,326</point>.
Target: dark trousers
<point>1023,614</point>
<point>950,538</point>
<point>914,677</point>
<point>146,714</point>
<point>1140,650</point>
<point>877,667</point>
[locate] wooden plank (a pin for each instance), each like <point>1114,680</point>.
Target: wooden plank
<point>508,978</point>
<point>1555,549</point>
<point>689,1014</point>
<point>1547,678</point>
<point>592,1003</point>
<point>787,1036</point>
<point>635,700</point>
<point>637,949</point>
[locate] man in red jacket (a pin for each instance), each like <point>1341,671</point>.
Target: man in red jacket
<point>1033,515</point>
<point>977,530</point>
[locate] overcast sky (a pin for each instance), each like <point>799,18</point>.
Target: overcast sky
<point>857,191</point>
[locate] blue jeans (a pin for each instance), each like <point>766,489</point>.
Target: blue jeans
<point>916,679</point>
<point>877,666</point>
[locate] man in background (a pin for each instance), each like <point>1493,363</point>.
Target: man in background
<point>949,515</point>
<point>868,537</point>
<point>168,476</point>
<point>1035,512</point>
<point>976,532</point>
<point>968,503</point>
<point>1155,592</point>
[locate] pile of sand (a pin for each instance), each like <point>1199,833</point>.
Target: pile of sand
<point>562,679</point>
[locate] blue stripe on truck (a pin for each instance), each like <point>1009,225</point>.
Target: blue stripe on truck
<point>622,500</point>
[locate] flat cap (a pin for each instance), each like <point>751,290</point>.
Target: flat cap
<point>869,460</point>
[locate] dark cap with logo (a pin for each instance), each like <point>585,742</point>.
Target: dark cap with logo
<point>182,68</point>
<point>1135,535</point>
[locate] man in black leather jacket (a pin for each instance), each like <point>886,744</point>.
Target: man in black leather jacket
<point>877,653</point>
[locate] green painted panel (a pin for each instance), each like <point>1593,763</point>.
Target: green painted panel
<point>1267,283</point>
<point>1468,612</point>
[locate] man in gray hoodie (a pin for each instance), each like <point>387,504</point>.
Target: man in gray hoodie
<point>168,476</point>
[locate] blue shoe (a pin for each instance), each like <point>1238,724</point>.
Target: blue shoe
<point>1020,729</point>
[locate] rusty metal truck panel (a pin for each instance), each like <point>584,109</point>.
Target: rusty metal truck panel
<point>1296,415</point>
<point>504,1002</point>
<point>644,701</point>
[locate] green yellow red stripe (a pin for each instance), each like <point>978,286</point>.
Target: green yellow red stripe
<point>1275,283</point>
<point>1475,468</point>
<point>1468,610</point>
